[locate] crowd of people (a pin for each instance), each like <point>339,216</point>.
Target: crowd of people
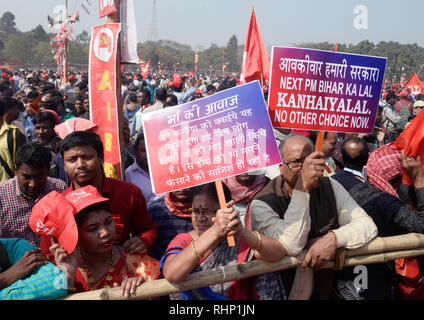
<point>67,228</point>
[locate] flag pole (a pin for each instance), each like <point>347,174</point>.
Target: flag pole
<point>65,48</point>
<point>420,69</point>
<point>115,18</point>
<point>223,205</point>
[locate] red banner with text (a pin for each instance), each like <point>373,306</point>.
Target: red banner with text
<point>103,101</point>
<point>106,8</point>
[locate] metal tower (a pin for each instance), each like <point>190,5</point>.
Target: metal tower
<point>153,33</point>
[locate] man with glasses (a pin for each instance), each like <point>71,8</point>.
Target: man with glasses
<point>301,209</point>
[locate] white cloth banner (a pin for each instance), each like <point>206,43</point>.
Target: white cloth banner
<point>129,32</point>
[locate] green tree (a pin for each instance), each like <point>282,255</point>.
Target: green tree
<point>16,46</point>
<point>7,22</point>
<point>38,34</point>
<point>41,53</point>
<point>83,38</point>
<point>231,54</point>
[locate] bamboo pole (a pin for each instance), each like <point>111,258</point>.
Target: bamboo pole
<point>377,251</point>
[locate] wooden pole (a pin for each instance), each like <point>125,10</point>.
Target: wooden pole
<point>377,251</point>
<point>318,147</point>
<point>65,48</point>
<point>223,205</point>
<point>115,18</point>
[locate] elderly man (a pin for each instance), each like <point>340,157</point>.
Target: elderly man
<point>291,210</point>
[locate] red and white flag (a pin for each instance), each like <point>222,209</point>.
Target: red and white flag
<point>145,68</point>
<point>255,64</point>
<point>415,85</point>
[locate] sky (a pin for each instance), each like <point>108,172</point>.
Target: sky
<point>200,23</point>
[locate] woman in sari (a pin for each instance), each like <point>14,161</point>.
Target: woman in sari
<point>83,247</point>
<point>205,248</point>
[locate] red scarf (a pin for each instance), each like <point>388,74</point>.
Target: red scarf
<point>177,208</point>
<point>241,193</point>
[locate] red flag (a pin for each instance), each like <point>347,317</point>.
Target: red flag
<point>336,48</point>
<point>411,140</point>
<point>414,84</point>
<point>255,58</point>
<point>145,69</point>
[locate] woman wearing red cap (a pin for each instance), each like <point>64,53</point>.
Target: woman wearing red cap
<point>82,231</point>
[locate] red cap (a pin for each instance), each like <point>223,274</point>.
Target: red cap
<point>53,216</point>
<point>75,124</point>
<point>177,80</point>
<point>198,91</point>
<point>84,197</point>
<point>72,77</point>
<point>404,93</point>
<point>170,84</point>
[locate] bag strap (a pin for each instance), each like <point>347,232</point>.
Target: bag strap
<point>6,167</point>
<point>11,142</point>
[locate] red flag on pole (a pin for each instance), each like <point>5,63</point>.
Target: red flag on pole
<point>255,64</point>
<point>411,140</point>
<point>414,84</point>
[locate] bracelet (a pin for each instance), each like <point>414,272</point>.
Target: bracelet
<point>259,241</point>
<point>72,289</point>
<point>195,251</point>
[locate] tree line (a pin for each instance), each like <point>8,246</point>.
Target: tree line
<point>34,49</point>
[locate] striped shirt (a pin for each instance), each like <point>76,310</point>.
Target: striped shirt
<point>44,283</point>
<point>16,207</point>
<point>168,224</point>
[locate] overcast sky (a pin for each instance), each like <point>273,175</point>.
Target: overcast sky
<point>281,22</point>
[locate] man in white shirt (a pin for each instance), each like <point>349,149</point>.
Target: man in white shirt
<point>293,211</point>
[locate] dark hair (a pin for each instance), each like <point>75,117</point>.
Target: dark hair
<point>419,97</point>
<point>161,94</point>
<point>147,93</point>
<point>2,108</point>
<point>132,97</point>
<point>174,100</point>
<point>82,215</point>
<point>47,87</point>
<point>391,95</point>
<point>44,116</point>
<point>314,134</point>
<point>82,86</point>
<point>79,98</point>
<point>210,88</point>
<point>53,92</point>
<point>50,104</point>
<point>210,190</point>
<point>58,100</point>
<point>33,155</point>
<point>140,136</point>
<point>82,138</point>
<point>9,103</point>
<point>32,94</point>
<point>360,159</point>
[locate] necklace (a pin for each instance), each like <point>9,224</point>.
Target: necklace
<point>90,279</point>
